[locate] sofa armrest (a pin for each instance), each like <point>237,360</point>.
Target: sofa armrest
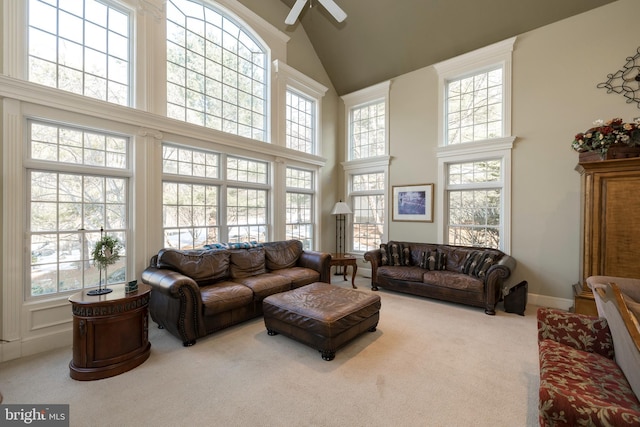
<point>375,258</point>
<point>627,285</point>
<point>318,261</point>
<point>176,303</point>
<point>494,280</point>
<point>580,331</point>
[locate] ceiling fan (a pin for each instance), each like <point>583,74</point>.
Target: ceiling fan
<point>330,5</point>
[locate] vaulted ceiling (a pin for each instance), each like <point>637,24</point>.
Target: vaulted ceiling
<point>382,39</point>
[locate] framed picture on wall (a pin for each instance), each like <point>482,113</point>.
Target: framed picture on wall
<point>413,203</point>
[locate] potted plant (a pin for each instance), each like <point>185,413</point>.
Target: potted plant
<point>105,253</point>
<point>608,140</point>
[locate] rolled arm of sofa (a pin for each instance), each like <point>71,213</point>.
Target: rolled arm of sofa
<point>496,275</point>
<point>580,331</point>
<point>318,261</point>
<point>375,258</point>
<point>176,303</point>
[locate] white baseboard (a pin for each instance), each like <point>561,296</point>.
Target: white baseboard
<point>16,349</point>
<point>547,301</point>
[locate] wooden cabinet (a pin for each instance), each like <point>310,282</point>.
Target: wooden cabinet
<point>610,218</point>
<point>110,332</point>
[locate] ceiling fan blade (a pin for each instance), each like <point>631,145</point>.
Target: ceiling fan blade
<point>295,12</point>
<point>334,9</point>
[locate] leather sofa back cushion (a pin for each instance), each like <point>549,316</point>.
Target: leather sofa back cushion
<point>247,263</point>
<point>205,267</point>
<point>281,255</point>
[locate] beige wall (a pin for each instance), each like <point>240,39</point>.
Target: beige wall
<point>302,57</point>
<point>555,72</point>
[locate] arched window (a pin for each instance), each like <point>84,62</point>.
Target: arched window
<point>217,74</point>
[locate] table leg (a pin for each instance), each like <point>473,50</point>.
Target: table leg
<point>353,276</point>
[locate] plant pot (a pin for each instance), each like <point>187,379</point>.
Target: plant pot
<point>622,152</point>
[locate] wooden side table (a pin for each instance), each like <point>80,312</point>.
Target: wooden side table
<point>346,260</point>
<point>584,301</point>
<point>110,332</point>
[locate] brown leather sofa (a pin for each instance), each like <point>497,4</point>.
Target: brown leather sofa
<point>195,293</point>
<point>461,274</point>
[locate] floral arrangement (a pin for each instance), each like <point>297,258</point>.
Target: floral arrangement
<point>605,135</point>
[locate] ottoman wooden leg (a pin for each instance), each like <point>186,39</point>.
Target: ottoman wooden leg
<point>328,355</point>
<point>271,332</point>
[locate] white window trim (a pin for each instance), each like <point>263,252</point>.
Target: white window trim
<point>375,164</point>
<point>499,148</point>
<point>491,149</point>
<point>366,96</point>
<point>378,164</point>
<point>287,77</point>
<point>474,62</point>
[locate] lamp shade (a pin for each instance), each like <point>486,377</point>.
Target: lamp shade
<point>341,208</point>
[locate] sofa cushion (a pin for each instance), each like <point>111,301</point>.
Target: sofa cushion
<point>587,333</point>
<point>282,254</point>
<point>299,276</point>
<point>224,296</point>
<point>583,388</point>
<point>453,280</point>
<point>412,274</point>
<point>265,284</point>
<point>247,262</point>
<point>205,267</point>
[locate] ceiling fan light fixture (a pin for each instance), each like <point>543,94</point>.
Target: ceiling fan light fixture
<point>330,5</point>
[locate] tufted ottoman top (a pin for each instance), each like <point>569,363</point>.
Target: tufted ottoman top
<point>321,308</point>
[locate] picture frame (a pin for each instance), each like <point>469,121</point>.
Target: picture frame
<point>412,202</point>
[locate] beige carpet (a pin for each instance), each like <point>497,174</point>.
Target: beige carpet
<point>429,363</point>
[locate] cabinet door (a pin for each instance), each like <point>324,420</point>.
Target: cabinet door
<point>611,233</point>
<point>115,339</point>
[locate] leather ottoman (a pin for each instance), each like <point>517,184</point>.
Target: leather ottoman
<point>321,315</point>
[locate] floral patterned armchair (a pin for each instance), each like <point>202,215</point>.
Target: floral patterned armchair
<point>580,381</point>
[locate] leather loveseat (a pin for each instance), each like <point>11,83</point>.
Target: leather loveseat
<point>590,366</point>
<point>461,274</point>
<point>197,292</point>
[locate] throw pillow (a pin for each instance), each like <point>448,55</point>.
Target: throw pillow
<point>471,262</point>
<point>384,253</point>
<point>399,255</point>
<point>433,260</point>
<point>485,262</point>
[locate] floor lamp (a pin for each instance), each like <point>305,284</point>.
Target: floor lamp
<point>340,210</point>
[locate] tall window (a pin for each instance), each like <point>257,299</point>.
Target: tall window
<point>190,208</point>
<point>81,46</point>
<point>300,122</point>
<point>475,155</point>
<point>475,203</point>
<point>367,165</point>
<point>67,209</point>
<point>247,195</point>
<point>299,206</point>
<point>216,71</point>
<point>474,107</point>
<point>368,130</point>
<point>367,197</point>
